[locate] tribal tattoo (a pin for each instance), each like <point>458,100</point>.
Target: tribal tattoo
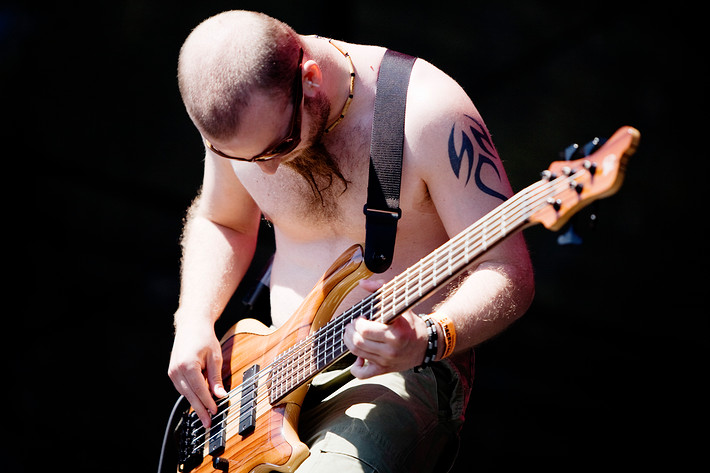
<point>485,155</point>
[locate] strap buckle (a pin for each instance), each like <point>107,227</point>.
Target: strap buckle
<point>395,214</point>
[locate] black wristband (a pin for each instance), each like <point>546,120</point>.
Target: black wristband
<point>432,345</point>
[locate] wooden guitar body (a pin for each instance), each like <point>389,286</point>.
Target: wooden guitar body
<point>272,442</point>
<point>267,372</point>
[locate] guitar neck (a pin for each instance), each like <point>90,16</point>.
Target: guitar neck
<point>325,346</point>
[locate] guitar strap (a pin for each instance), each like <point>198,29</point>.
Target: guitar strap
<point>382,208</point>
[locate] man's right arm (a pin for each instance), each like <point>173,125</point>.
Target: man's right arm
<point>218,244</point>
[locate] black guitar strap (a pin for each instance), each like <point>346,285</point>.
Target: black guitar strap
<point>382,209</point>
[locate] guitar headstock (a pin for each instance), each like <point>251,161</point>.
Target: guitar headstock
<point>576,184</point>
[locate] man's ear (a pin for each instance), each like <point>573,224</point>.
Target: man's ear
<point>312,78</point>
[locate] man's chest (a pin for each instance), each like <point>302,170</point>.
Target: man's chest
<point>305,207</point>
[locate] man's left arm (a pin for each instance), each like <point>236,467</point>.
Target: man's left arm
<point>465,178</point>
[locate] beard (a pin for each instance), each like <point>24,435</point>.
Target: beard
<point>315,163</point>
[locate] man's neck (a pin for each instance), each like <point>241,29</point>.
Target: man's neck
<point>336,71</point>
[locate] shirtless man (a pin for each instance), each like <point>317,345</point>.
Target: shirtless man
<point>243,89</point>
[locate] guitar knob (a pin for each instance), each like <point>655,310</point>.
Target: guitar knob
<point>221,464</point>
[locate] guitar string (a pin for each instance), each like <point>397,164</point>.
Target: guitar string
<point>522,199</point>
<point>482,237</point>
<point>435,256</point>
<point>308,360</point>
<point>451,251</point>
<point>286,357</point>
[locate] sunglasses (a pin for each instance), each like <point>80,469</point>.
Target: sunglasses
<point>293,138</point>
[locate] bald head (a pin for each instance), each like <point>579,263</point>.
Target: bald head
<point>227,58</point>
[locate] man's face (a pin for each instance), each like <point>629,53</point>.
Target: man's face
<point>266,124</point>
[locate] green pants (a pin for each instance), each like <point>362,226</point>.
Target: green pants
<point>397,422</point>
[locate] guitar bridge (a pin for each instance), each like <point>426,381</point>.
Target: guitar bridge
<point>188,433</point>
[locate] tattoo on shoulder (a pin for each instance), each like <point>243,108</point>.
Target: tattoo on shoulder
<point>485,156</point>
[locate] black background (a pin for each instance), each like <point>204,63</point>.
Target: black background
<point>604,370</point>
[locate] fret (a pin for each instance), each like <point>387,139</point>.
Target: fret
<point>307,363</point>
<point>320,356</point>
<point>325,336</point>
<point>339,328</point>
<point>391,310</point>
<point>406,288</point>
<point>434,275</point>
<point>450,260</point>
<point>333,330</point>
<point>322,348</point>
<point>484,240</point>
<point>502,225</point>
<point>377,307</point>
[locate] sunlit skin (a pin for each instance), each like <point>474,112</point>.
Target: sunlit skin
<point>221,232</point>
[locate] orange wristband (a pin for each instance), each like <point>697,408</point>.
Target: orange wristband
<point>447,326</point>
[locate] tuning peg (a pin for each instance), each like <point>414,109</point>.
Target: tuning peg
<point>574,151</point>
<point>548,175</point>
<point>592,146</point>
<point>568,154</point>
<point>569,235</point>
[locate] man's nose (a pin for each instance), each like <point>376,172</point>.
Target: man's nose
<point>270,166</point>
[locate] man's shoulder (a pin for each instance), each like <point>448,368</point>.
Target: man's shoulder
<point>435,102</point>
<point>435,94</point>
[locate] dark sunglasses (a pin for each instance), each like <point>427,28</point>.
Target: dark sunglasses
<point>293,138</point>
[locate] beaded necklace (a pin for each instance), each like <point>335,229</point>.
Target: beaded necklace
<point>352,85</point>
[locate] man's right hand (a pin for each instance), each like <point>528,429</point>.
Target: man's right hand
<point>196,368</point>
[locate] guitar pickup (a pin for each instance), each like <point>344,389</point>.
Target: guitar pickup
<point>247,412</point>
<point>217,434</point>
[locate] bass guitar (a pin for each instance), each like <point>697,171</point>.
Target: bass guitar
<point>267,372</point>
